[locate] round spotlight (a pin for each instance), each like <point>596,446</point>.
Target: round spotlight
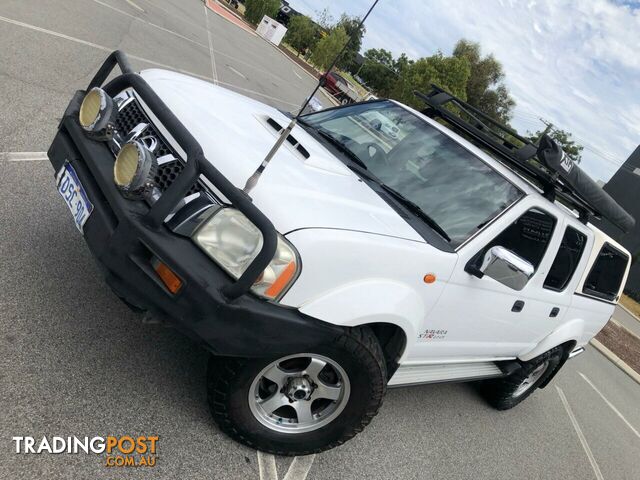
<point>134,169</point>
<point>97,114</point>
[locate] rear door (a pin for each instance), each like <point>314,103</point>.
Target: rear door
<point>480,318</point>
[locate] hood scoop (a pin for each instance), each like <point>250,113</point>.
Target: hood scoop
<point>291,140</point>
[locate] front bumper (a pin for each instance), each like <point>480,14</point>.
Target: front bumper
<point>124,236</point>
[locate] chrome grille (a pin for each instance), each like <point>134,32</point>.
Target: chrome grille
<point>130,115</point>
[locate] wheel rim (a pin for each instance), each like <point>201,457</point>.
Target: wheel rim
<point>299,393</point>
<point>531,379</point>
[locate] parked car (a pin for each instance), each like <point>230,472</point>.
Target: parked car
<point>381,122</point>
<point>340,88</point>
<point>352,266</point>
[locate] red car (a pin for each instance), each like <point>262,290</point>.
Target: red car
<point>340,88</point>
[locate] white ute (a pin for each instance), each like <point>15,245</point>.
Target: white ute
<point>441,256</point>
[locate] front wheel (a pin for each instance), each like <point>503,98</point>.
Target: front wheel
<point>507,392</point>
<point>302,403</point>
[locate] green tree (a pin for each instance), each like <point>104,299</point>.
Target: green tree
<point>302,33</point>
<point>327,48</point>
<point>380,55</point>
<point>378,70</point>
<point>402,62</point>
<point>450,73</point>
<point>256,9</point>
<point>355,32</point>
<point>485,89</point>
<point>564,139</point>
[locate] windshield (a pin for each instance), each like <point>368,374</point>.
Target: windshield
<point>450,184</point>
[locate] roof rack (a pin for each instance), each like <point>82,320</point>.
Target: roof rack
<point>521,155</point>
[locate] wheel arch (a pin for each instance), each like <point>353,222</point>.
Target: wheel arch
<point>393,341</point>
<point>569,332</point>
<point>388,307</point>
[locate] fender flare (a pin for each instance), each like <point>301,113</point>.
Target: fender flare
<point>570,331</point>
<point>370,301</point>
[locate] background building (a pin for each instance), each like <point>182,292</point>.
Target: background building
<point>624,187</point>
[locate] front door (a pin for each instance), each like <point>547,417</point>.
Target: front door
<point>481,318</point>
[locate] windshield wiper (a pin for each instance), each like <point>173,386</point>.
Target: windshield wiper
<point>414,208</point>
<point>341,147</point>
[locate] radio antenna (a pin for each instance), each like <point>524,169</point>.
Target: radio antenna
<point>253,179</point>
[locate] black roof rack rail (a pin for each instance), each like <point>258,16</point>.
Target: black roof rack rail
<point>560,181</point>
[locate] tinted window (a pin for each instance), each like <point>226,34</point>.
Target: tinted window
<point>606,275</point>
<point>527,237</point>
<point>456,188</point>
<point>566,261</point>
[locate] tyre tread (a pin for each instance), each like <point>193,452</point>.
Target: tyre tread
<point>499,392</point>
<point>360,340</point>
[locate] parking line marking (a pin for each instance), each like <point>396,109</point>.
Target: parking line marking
<point>136,57</point>
<point>296,73</point>
<point>581,437</point>
<point>299,468</point>
<point>171,14</point>
<point>235,71</point>
<point>212,50</point>
<point>23,156</point>
<point>91,44</point>
<point>267,466</point>
<point>611,406</point>
<point>213,58</point>
<point>134,5</point>
<point>122,12</point>
<point>98,47</point>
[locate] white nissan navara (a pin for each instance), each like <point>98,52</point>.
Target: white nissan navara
<point>452,250</point>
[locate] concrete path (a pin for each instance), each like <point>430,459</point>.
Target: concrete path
<point>628,320</point>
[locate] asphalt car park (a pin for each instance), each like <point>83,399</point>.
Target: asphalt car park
<point>76,361</point>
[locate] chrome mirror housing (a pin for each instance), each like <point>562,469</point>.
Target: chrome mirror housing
<point>506,267</point>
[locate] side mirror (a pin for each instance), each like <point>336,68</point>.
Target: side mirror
<point>505,267</point>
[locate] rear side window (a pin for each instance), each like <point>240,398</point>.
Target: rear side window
<point>606,275</point>
<point>566,261</point>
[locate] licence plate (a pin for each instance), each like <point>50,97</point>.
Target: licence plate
<point>70,188</point>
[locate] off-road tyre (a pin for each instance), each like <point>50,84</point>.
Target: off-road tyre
<point>501,393</point>
<point>357,351</point>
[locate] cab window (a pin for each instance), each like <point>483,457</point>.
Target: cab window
<point>566,261</point>
<point>606,275</point>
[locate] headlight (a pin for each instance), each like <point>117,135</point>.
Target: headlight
<point>134,169</point>
<point>97,114</point>
<point>233,242</point>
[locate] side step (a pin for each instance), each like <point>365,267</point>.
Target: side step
<point>443,372</point>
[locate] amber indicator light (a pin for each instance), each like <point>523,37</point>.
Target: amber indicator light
<point>170,279</point>
<point>429,278</point>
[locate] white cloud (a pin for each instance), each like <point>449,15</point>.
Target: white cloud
<point>573,62</point>
<point>583,96</point>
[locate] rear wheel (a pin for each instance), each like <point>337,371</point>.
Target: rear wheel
<point>507,392</point>
<point>302,403</point>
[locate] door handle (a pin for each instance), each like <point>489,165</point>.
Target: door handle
<point>554,312</point>
<point>517,306</point>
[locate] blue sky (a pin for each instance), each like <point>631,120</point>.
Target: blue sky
<point>575,63</point>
